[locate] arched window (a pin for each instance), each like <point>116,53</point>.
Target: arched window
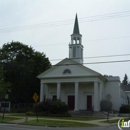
<point>67,71</point>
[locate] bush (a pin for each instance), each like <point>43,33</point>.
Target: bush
<point>58,107</point>
<point>105,105</point>
<point>30,113</point>
<point>125,109</point>
<point>51,107</point>
<point>42,106</point>
<point>38,107</point>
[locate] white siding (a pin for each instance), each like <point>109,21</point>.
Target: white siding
<point>113,88</point>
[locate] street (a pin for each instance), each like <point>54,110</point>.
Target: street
<point>29,127</point>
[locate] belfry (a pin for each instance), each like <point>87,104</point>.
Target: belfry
<point>76,47</point>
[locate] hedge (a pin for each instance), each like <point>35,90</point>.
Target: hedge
<point>125,109</point>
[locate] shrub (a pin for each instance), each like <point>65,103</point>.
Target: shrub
<point>58,107</point>
<point>38,107</point>
<point>125,109</point>
<point>20,110</point>
<point>30,113</point>
<point>105,105</point>
<point>42,106</point>
<point>51,107</point>
<point>46,105</point>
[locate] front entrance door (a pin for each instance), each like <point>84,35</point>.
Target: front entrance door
<point>89,102</point>
<point>54,97</point>
<point>71,100</point>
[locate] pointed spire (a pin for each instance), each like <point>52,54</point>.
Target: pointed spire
<point>76,26</point>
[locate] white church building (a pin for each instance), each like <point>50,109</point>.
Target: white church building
<point>81,88</point>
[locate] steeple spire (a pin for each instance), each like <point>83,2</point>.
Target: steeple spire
<point>76,26</point>
<point>76,47</point>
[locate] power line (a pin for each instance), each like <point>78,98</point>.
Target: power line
<point>112,38</point>
<point>97,57</point>
<point>107,56</point>
<point>105,62</point>
<point>67,22</point>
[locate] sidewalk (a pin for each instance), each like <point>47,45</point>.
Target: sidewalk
<point>96,122</point>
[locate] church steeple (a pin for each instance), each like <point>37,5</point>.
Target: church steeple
<point>76,26</point>
<point>76,47</point>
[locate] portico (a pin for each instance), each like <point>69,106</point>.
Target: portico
<point>86,94</point>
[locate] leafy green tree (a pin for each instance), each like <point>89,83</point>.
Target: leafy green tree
<point>3,86</point>
<point>21,65</point>
<point>125,80</point>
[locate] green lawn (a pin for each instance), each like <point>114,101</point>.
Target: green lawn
<point>76,118</point>
<point>115,121</point>
<point>7,119</point>
<point>64,118</point>
<point>18,114</point>
<point>58,123</point>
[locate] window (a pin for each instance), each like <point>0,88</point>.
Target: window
<point>66,71</point>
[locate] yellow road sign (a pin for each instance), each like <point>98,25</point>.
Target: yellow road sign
<point>35,97</point>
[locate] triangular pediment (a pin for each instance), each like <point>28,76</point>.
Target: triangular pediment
<point>68,67</point>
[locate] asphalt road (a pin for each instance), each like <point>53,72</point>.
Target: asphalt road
<point>27,127</point>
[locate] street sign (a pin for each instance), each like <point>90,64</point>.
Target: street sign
<point>35,97</point>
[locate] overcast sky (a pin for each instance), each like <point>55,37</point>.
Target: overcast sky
<point>46,25</point>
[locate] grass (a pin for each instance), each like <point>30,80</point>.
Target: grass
<point>111,121</point>
<point>18,114</point>
<point>76,118</point>
<point>114,121</point>
<point>7,119</point>
<point>62,118</point>
<point>58,123</point>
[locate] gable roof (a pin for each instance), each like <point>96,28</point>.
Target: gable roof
<point>76,69</point>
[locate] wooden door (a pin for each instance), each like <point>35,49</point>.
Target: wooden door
<point>89,102</point>
<point>54,97</point>
<point>71,100</point>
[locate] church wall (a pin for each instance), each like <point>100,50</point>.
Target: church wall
<point>123,97</point>
<point>113,88</point>
<point>128,94</point>
<point>66,89</point>
<point>84,90</point>
<point>51,90</point>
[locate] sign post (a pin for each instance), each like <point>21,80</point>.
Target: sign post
<point>35,98</point>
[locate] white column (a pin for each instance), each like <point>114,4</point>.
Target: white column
<point>76,40</point>
<point>100,91</point>
<point>96,93</point>
<point>80,40</point>
<point>58,90</point>
<point>76,96</point>
<point>46,91</point>
<point>71,40</point>
<point>41,92</point>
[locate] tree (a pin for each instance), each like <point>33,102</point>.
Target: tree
<point>3,86</point>
<point>125,80</point>
<point>21,65</point>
